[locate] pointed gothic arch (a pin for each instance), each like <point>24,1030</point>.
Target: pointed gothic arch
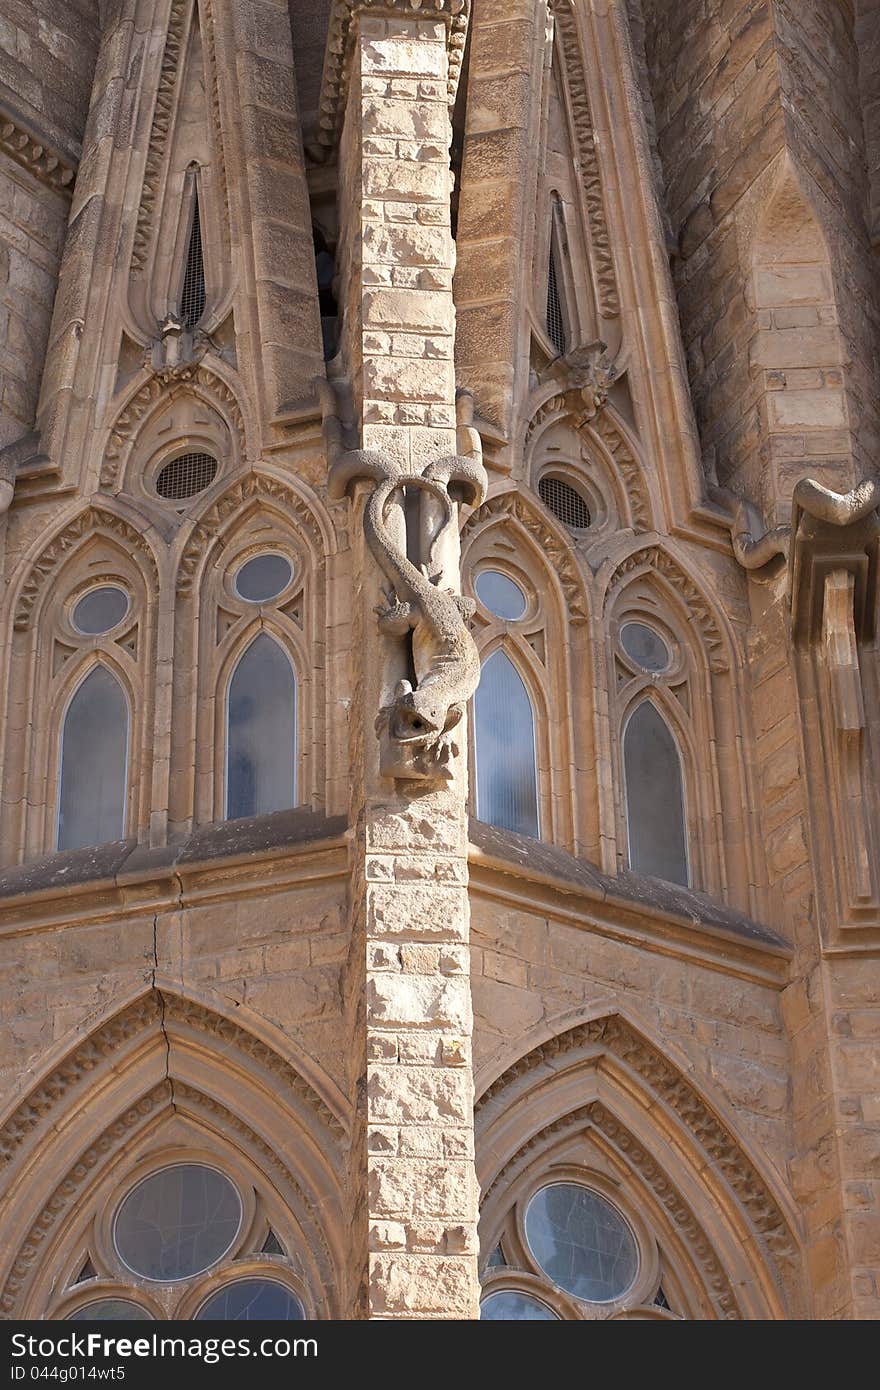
<point>162,1056</point>
<point>678,1153</point>
<point>551,645</point>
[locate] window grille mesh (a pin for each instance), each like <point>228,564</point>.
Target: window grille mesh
<point>565,503</point>
<point>555,324</point>
<point>185,476</point>
<point>192,294</point>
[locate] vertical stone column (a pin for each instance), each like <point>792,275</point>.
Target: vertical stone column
<point>412,1158</point>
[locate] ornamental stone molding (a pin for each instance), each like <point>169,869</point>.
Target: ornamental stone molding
<point>634,1155</point>
<point>252,486</point>
<point>94,518</point>
<point>162,118</point>
<point>170,1094</point>
<point>113,1138</point>
<point>155,1009</point>
<point>588,162</point>
<point>334,83</point>
<point>48,165</point>
<point>668,1084</point>
<point>557,552</point>
<point>192,377</point>
<point>655,558</point>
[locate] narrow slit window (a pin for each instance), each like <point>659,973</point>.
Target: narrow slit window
<point>555,320</point>
<point>654,797</point>
<point>261,732</point>
<point>192,293</point>
<point>504,743</point>
<point>94,750</point>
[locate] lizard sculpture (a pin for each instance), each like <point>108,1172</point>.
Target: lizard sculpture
<point>417,727</point>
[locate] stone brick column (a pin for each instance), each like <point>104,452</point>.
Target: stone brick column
<point>412,1157</point>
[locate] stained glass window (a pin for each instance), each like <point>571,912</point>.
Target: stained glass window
<point>177,1222</point>
<point>94,746</point>
<point>504,742</point>
<point>581,1242</point>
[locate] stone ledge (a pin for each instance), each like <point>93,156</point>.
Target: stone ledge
<point>41,155</point>
<point>690,914</point>
<point>125,861</point>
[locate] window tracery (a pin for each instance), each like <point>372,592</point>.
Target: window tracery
<point>187,1235</point>
<point>573,1247</point>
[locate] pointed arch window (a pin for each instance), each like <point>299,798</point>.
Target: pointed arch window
<point>94,752</point>
<point>504,745</point>
<point>555,320</point>
<point>261,732</point>
<point>655,803</point>
<point>192,290</point>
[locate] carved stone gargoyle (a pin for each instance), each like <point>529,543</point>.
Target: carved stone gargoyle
<point>585,374</point>
<point>417,729</point>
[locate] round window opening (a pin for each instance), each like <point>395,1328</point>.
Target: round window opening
<point>502,596</point>
<point>110,1310</point>
<point>644,646</point>
<point>185,476</point>
<point>581,1242</point>
<point>252,1300</point>
<point>565,502</point>
<point>263,578</point>
<point>509,1305</point>
<point>100,610</point>
<point>177,1222</point>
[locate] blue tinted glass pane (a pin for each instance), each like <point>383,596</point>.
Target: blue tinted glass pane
<point>644,646</point>
<point>511,1306</point>
<point>99,610</point>
<point>177,1222</point>
<point>94,743</point>
<point>261,748</point>
<point>262,578</point>
<point>110,1310</point>
<point>504,740</point>
<point>252,1300</point>
<point>654,797</point>
<point>581,1242</point>
<point>500,595</point>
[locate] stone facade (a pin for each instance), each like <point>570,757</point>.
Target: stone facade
<point>588,404</point>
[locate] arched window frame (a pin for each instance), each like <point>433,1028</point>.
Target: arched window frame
<point>525,667</point>
<point>689,714</point>
<point>48,661</point>
<point>516,540</point>
<point>521,1273</point>
<point>226,625</point>
<point>678,732</point>
<point>181,1299</point>
<point>274,631</point>
<point>79,676</point>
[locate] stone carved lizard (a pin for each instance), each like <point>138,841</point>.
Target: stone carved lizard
<point>417,727</point>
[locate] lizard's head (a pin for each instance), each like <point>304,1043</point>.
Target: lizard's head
<point>421,714</point>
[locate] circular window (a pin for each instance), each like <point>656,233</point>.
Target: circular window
<point>263,578</point>
<point>99,610</point>
<point>565,502</point>
<point>581,1242</point>
<point>511,1306</point>
<point>644,646</point>
<point>177,1222</point>
<point>252,1300</point>
<point>502,596</point>
<point>110,1310</point>
<point>185,476</point>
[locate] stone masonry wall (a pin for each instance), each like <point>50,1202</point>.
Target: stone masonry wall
<point>47,56</point>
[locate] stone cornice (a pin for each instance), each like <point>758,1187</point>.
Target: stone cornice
<point>643,913</point>
<point>32,152</point>
<point>334,83</point>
